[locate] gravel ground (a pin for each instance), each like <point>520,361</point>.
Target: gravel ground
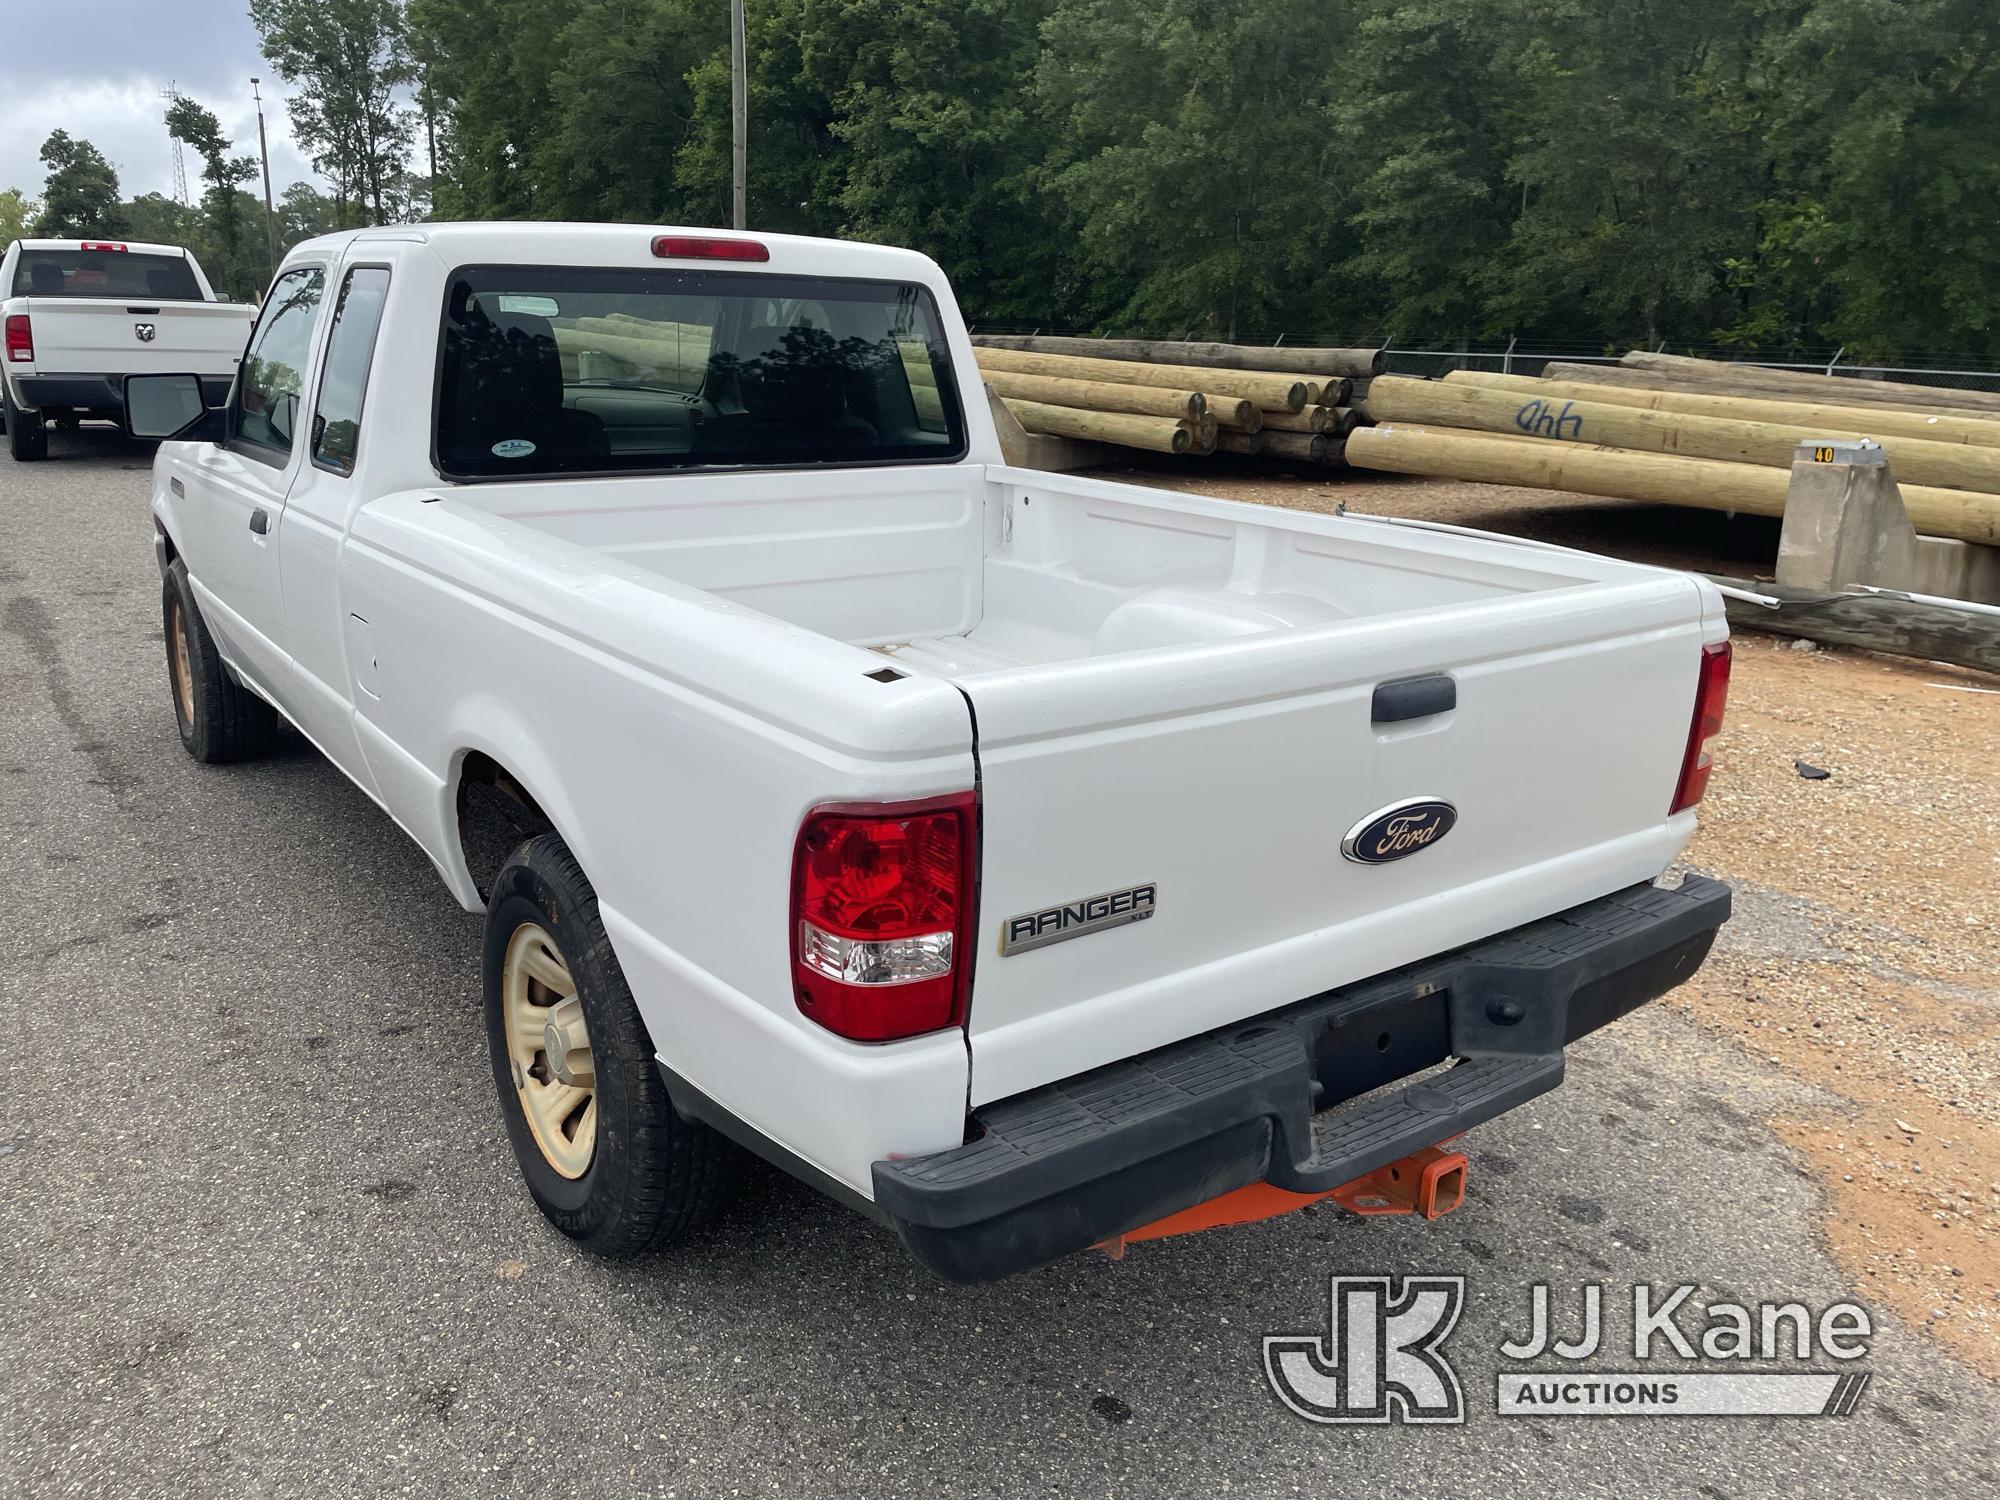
<point>1867,934</point>
<point>265,1237</point>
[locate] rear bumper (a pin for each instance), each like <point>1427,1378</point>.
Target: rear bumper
<point>1296,1097</point>
<point>102,394</point>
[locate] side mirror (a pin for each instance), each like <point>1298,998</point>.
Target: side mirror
<point>169,406</point>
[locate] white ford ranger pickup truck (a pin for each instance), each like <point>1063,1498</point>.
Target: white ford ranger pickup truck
<point>81,315</point>
<point>1029,861</point>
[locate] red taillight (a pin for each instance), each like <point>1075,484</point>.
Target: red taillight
<point>20,337</point>
<point>882,914</point>
<point>101,245</point>
<point>1709,695</point>
<point>684,247</point>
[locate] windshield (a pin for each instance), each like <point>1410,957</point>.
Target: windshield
<point>105,273</point>
<point>548,371</point>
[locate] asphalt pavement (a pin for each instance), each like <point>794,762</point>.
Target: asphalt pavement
<point>263,1235</point>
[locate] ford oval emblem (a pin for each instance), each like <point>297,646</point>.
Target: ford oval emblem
<point>1398,831</point>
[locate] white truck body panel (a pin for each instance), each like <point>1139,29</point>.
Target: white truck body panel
<point>84,345</point>
<point>1142,686</point>
<point>87,336</point>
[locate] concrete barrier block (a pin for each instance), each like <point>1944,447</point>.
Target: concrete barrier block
<point>1845,524</point>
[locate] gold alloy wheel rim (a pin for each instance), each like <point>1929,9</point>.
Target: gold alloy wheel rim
<point>548,1048</point>
<point>183,677</point>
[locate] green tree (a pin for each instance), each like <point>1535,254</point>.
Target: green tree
<point>303,212</point>
<point>165,221</point>
<point>488,69</point>
<point>1638,154</point>
<point>1889,125</point>
<point>1783,174</point>
<point>348,60</point>
<point>239,268</point>
<point>1196,166</point>
<point>941,142</point>
<point>798,165</point>
<point>1418,185</point>
<point>17,212</point>
<point>80,193</point>
<point>624,109</point>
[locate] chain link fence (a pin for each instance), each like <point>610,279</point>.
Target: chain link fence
<point>1514,360</point>
<point>1521,357</point>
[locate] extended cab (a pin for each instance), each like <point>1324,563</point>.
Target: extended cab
<point>81,315</point>
<point>1029,861</point>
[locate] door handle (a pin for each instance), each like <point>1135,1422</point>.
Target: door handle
<point>1414,698</point>
<point>260,520</point>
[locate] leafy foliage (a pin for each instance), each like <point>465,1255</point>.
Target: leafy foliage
<point>347,61</point>
<point>225,221</point>
<point>17,212</point>
<point>1785,174</point>
<point>80,193</point>
<point>1782,173</point>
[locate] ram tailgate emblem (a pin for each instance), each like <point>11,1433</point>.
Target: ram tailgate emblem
<point>1074,919</point>
<point>144,332</point>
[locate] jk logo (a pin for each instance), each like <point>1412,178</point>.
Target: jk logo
<point>1380,1360</point>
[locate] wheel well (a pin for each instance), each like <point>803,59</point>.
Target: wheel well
<point>495,817</point>
<point>167,541</point>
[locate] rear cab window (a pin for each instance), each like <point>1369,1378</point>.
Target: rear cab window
<point>124,275</point>
<point>546,371</point>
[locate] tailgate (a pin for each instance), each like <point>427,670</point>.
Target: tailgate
<point>93,336</point>
<point>1225,778</point>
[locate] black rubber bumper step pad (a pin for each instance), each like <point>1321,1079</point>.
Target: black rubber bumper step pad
<point>1514,1001</point>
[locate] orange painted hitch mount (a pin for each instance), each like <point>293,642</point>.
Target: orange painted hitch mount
<point>1430,1182</point>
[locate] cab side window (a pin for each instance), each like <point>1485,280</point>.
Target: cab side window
<point>349,352</point>
<point>273,375</point>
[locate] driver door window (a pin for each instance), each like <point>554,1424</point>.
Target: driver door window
<point>273,375</point>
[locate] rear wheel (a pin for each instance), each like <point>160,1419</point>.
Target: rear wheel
<point>604,1153</point>
<point>219,719</point>
<point>27,438</point>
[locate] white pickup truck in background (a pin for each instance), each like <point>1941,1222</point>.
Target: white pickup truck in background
<point>81,315</point>
<point>1029,861</point>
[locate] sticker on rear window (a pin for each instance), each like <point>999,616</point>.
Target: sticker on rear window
<point>513,448</point>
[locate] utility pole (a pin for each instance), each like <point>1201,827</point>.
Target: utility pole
<point>264,151</point>
<point>739,118</point>
<point>431,141</point>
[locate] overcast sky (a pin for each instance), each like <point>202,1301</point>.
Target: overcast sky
<point>96,70</point>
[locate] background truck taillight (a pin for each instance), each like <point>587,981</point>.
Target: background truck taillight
<point>882,916</point>
<point>1710,693</point>
<point>20,338</point>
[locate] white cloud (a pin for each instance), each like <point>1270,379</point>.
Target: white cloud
<point>124,117</point>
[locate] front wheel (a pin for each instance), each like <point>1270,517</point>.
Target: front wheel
<point>604,1153</point>
<point>219,718</point>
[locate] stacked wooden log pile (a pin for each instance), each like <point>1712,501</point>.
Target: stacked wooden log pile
<point>621,346</point>
<point>1288,406</point>
<point>1688,432</point>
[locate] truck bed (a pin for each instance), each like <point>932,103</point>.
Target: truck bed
<point>1104,570</point>
<point>1182,693</point>
<point>957,572</point>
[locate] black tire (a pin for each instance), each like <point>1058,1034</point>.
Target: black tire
<point>219,719</point>
<point>652,1177</point>
<point>27,438</point>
